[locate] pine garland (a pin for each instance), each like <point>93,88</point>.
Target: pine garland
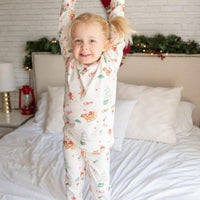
<point>163,44</point>
<point>157,44</point>
<point>41,45</point>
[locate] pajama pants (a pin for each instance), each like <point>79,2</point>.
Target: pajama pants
<point>98,173</point>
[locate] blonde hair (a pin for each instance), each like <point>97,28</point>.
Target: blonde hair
<point>121,28</point>
<point>113,30</point>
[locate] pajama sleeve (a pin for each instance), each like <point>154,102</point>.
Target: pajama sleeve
<point>116,8</point>
<point>66,16</point>
<point>116,52</point>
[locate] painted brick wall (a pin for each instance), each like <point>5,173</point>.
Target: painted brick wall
<point>23,20</point>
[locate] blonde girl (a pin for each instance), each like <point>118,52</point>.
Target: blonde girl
<point>92,48</point>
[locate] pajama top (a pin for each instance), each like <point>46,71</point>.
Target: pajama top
<point>90,91</point>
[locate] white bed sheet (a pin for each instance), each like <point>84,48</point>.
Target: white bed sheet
<point>32,168</point>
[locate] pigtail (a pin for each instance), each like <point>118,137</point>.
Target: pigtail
<point>120,27</point>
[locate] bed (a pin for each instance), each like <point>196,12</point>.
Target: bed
<point>156,154</point>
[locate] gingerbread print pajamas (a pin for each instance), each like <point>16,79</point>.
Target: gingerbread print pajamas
<point>89,107</point>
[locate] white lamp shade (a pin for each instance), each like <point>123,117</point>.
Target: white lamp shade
<point>7,78</point>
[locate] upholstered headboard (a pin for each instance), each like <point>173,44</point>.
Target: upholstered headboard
<point>172,71</point>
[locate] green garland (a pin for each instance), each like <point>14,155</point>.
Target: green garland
<point>41,45</point>
<point>163,44</point>
<point>157,44</point>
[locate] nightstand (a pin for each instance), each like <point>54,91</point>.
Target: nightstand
<point>11,121</point>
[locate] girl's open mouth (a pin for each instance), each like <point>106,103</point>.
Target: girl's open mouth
<point>84,55</point>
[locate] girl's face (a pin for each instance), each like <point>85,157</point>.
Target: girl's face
<point>89,43</point>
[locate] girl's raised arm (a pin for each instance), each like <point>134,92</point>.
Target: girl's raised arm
<point>116,8</point>
<point>66,16</point>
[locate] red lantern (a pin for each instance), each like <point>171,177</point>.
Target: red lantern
<point>26,100</point>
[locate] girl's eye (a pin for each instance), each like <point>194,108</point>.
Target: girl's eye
<point>77,41</point>
<point>92,41</point>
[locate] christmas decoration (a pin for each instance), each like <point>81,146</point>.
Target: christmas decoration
<point>106,3</point>
<point>158,44</point>
<point>41,45</point>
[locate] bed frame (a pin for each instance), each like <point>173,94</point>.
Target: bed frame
<point>172,71</point>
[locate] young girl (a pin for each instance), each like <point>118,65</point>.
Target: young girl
<point>92,49</point>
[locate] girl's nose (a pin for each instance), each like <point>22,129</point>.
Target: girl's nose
<point>84,46</point>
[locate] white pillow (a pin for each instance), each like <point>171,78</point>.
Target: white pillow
<point>153,118</point>
<point>40,115</point>
<point>54,120</point>
<point>184,122</point>
<point>123,110</point>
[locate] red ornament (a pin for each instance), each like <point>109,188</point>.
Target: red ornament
<point>161,56</point>
<point>106,3</point>
<point>127,49</point>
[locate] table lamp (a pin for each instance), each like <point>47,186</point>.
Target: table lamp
<point>7,84</point>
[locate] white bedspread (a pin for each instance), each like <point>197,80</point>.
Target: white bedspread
<point>32,168</point>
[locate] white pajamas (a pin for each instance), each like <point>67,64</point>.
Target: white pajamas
<point>98,172</point>
<point>89,107</point>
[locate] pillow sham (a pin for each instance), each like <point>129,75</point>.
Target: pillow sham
<point>154,115</point>
<point>123,110</point>
<point>40,115</point>
<point>184,122</point>
<point>54,119</point>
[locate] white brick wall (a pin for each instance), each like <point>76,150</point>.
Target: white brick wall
<point>23,20</point>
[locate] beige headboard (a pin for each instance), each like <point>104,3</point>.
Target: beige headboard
<point>172,71</point>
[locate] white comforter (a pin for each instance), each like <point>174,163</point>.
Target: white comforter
<point>32,168</point>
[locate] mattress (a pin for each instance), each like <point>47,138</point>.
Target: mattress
<point>32,167</point>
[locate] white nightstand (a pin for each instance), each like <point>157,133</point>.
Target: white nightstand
<point>11,121</point>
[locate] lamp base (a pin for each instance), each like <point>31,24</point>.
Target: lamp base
<point>6,105</point>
